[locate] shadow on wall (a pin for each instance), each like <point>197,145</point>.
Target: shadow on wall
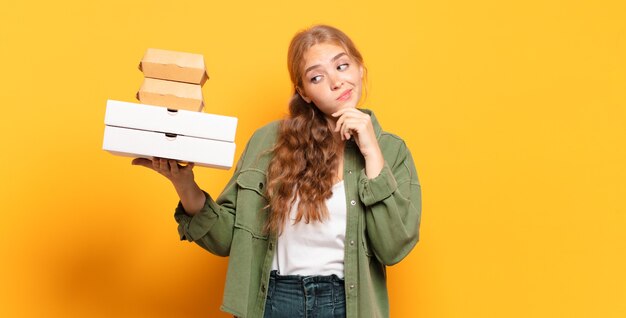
<point>106,275</point>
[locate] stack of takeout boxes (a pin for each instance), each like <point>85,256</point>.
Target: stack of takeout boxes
<point>169,122</point>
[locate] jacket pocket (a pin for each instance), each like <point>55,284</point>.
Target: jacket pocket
<point>251,200</point>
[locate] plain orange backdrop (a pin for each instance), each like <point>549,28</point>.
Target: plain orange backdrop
<point>515,113</point>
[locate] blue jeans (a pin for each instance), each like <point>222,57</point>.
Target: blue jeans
<point>293,296</point>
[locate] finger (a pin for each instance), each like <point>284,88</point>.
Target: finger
<point>142,162</point>
<point>337,113</point>
<point>344,110</point>
<point>342,120</point>
<point>163,165</point>
<point>189,166</point>
<point>349,125</point>
<point>173,166</point>
<point>155,163</point>
<point>351,113</point>
<point>357,126</point>
<point>342,128</point>
<point>339,123</point>
<point>360,124</point>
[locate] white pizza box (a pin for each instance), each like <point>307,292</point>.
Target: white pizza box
<point>149,144</point>
<point>179,122</point>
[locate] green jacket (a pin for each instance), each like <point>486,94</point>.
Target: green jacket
<point>382,227</point>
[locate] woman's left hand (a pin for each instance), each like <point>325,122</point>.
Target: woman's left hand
<point>354,123</point>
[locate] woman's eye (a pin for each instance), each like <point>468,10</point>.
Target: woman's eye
<point>316,79</point>
<point>342,67</point>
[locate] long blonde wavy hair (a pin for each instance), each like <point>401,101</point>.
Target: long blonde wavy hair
<point>306,154</point>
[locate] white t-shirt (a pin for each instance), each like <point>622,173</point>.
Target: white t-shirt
<point>316,248</point>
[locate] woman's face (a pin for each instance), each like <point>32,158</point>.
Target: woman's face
<point>331,78</point>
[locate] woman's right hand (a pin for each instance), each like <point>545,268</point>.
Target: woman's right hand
<point>191,196</point>
<point>179,175</point>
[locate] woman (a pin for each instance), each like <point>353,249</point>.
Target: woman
<point>319,203</point>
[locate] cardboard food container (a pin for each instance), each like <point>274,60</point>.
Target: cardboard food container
<point>174,66</point>
<point>137,130</point>
<point>175,95</point>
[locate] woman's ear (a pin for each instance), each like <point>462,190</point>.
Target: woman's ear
<point>306,99</point>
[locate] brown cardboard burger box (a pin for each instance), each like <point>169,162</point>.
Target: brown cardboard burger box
<point>174,66</point>
<point>170,94</point>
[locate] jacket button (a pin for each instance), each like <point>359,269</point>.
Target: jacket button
<point>353,202</point>
<point>261,185</point>
<point>349,171</point>
<point>351,242</point>
<point>263,288</point>
<point>352,286</point>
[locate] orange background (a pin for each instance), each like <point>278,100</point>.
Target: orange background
<point>514,111</point>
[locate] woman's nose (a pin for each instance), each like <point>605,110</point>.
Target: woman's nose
<point>336,82</point>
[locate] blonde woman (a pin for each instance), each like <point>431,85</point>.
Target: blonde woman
<point>320,202</point>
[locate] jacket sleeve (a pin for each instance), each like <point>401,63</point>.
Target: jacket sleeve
<point>212,227</point>
<point>393,203</point>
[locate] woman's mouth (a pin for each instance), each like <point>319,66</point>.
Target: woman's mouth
<point>345,96</point>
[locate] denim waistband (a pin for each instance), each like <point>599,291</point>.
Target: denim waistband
<point>305,279</point>
<point>299,296</point>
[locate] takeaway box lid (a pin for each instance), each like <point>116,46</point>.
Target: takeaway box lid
<point>170,94</point>
<point>161,119</point>
<point>174,66</point>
